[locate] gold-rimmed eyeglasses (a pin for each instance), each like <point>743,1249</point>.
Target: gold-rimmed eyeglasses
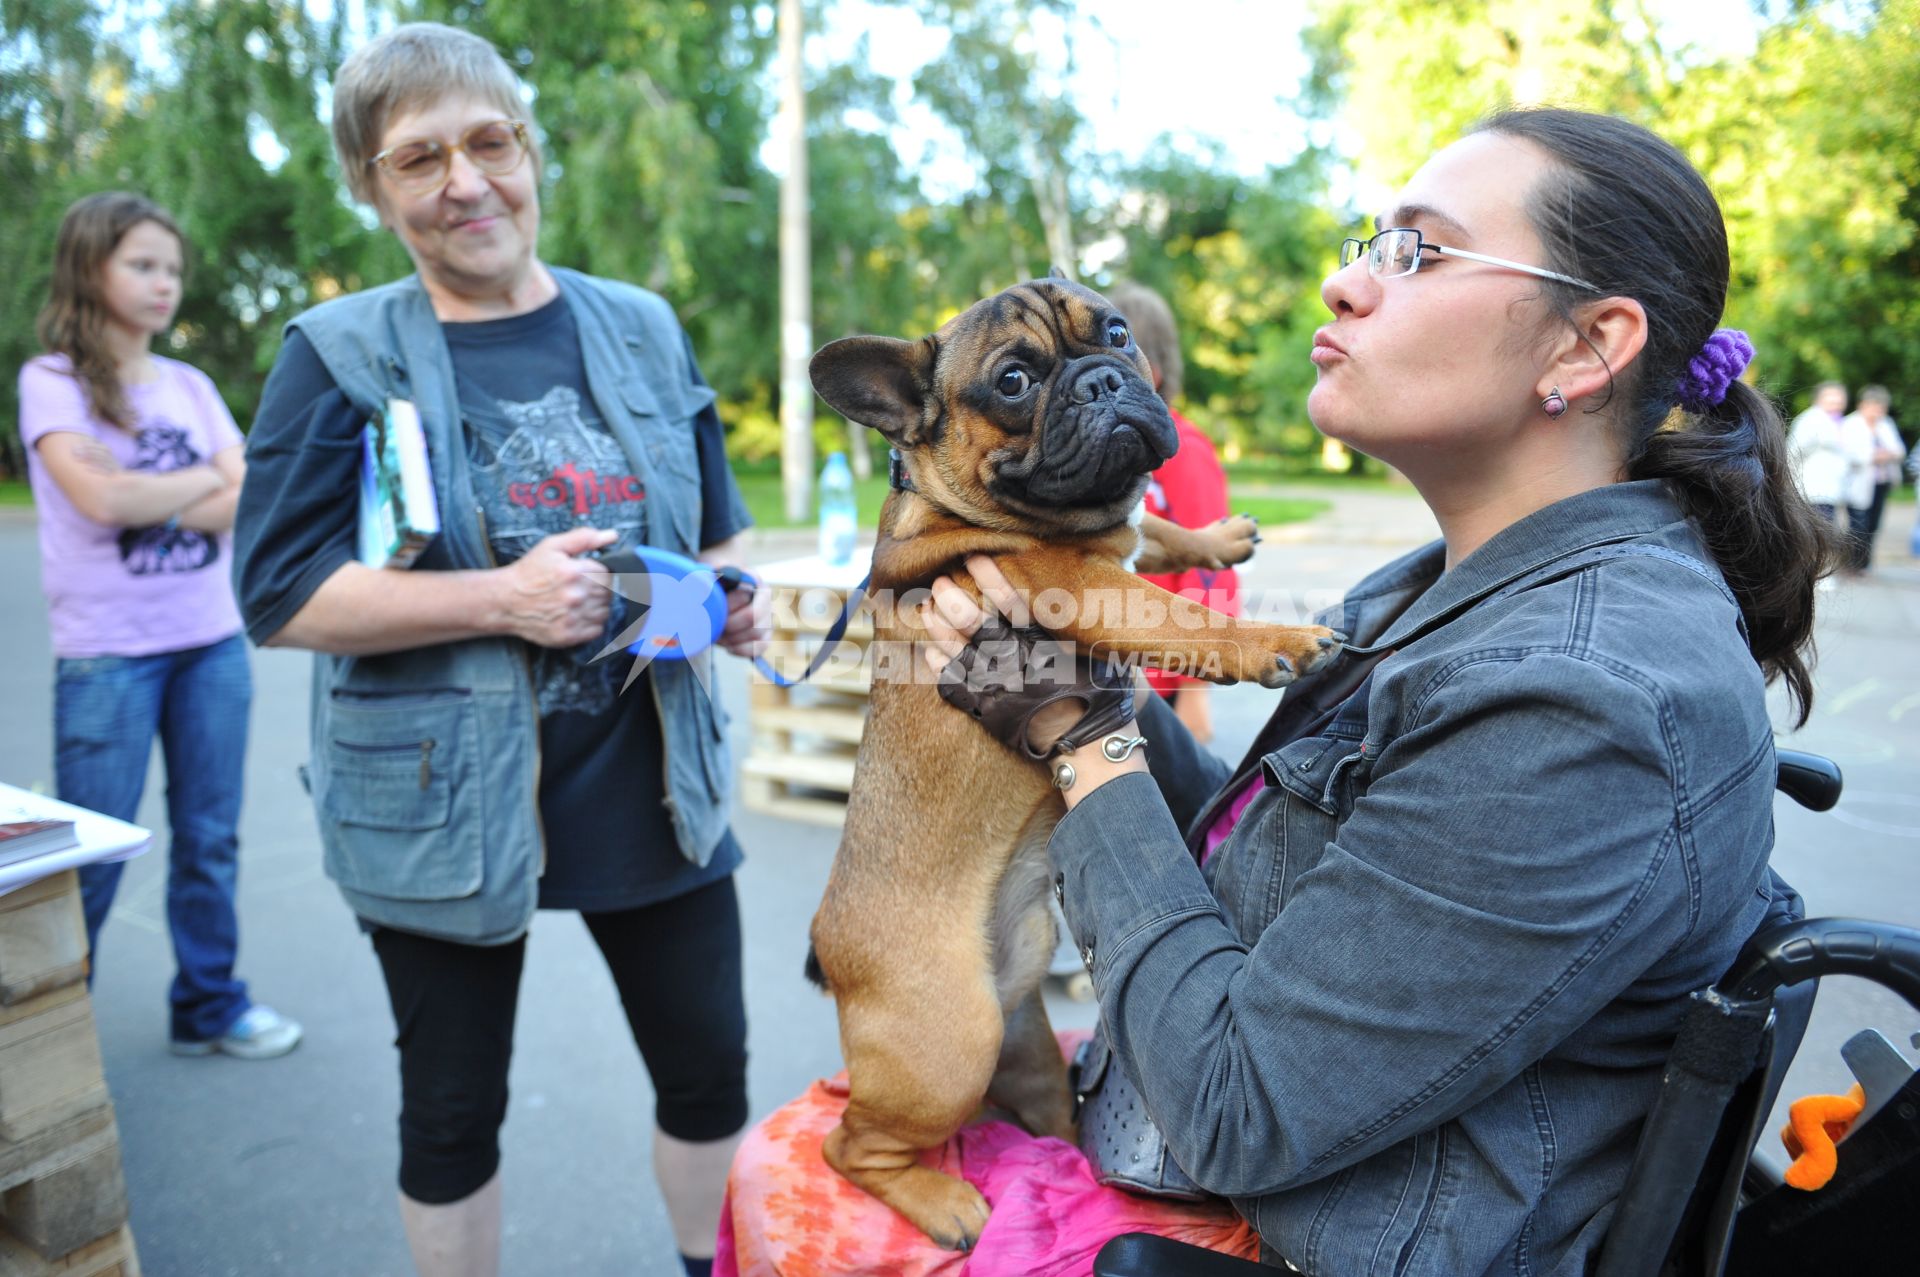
<point>495,147</point>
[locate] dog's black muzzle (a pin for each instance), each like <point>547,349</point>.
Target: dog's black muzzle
<point>1105,430</point>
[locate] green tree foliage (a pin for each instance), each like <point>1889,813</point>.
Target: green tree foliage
<point>1412,75</point>
<point>993,88</point>
<point>1813,147</point>
<point>654,114</point>
<point>1812,144</point>
<point>272,236</point>
<point>866,208</point>
<point>267,237</point>
<point>1240,260</point>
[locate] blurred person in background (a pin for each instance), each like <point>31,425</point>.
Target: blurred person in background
<point>1819,456</point>
<point>1189,489</point>
<point>135,464</point>
<point>1889,450</point>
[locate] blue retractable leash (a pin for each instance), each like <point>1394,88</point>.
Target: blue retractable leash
<point>730,578</point>
<point>686,608</point>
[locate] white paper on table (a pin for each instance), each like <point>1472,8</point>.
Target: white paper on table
<point>814,571</point>
<point>101,838</point>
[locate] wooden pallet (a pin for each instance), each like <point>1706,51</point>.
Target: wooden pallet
<point>43,938</point>
<point>63,1198</point>
<point>800,765</point>
<point>110,1256</point>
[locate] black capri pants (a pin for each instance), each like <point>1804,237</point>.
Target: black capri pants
<point>677,966</point>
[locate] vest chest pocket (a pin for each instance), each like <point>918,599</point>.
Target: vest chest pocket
<point>666,422</point>
<point>397,815</point>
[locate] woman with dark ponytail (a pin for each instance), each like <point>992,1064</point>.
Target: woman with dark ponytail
<point>1400,987</point>
<point>1720,444</point>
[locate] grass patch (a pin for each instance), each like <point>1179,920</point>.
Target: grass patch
<point>1267,473</point>
<point>1275,510</point>
<point>761,489</point>
<point>767,504</point>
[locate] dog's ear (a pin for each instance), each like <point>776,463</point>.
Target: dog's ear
<point>881,382</point>
<point>1060,272</point>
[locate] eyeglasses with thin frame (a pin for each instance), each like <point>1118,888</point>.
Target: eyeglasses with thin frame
<point>494,146</point>
<point>1398,250</point>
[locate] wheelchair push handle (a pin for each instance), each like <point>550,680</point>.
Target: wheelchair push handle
<point>1815,947</point>
<point>1808,779</point>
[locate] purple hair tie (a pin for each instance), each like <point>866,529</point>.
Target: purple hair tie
<point>1717,366</point>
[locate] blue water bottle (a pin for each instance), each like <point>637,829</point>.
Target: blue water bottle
<point>839,524</point>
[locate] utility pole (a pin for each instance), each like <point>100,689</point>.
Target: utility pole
<point>796,277</point>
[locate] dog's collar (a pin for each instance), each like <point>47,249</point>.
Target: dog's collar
<point>897,476</point>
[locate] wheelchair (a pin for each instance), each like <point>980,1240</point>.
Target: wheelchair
<point>1697,1202</point>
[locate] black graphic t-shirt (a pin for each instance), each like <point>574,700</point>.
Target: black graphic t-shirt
<point>543,461</point>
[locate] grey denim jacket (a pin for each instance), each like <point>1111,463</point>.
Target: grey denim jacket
<point>425,763</point>
<point>1412,1013</point>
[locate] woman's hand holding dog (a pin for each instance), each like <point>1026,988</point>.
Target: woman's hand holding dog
<point>952,620</point>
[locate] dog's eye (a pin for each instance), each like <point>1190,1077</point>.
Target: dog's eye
<point>1117,334</point>
<point>1014,382</point>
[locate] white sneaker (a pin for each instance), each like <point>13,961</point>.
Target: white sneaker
<point>261,1034</point>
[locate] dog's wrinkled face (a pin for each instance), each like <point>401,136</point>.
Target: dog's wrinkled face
<point>1034,403</point>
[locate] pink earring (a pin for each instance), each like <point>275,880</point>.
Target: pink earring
<point>1554,404</point>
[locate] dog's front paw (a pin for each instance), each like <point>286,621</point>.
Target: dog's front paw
<point>1327,644</point>
<point>1279,673</point>
<point>1227,543</point>
<point>1300,649</point>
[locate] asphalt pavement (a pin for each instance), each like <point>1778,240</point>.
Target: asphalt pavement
<point>286,1167</point>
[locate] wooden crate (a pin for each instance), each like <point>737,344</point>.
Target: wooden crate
<point>800,765</point>
<point>49,1062</point>
<point>43,938</point>
<point>63,1197</point>
<point>110,1256</point>
<point>77,1197</point>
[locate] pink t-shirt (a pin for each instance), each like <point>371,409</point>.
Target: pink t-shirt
<point>1223,824</point>
<point>129,591</point>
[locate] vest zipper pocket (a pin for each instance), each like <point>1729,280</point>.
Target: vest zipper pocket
<point>425,747</point>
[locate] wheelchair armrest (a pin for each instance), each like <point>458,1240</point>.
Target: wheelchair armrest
<point>1808,779</point>
<point>1817,947</point>
<point>1149,1255</point>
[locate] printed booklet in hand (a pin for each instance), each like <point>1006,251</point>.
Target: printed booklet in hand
<point>399,515</point>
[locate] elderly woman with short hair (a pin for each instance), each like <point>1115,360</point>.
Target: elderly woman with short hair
<point>473,758</point>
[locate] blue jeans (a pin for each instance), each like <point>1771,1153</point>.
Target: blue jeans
<point>106,711</point>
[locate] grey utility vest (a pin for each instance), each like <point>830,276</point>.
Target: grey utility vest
<point>426,763</point>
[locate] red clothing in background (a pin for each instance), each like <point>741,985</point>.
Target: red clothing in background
<point>1191,490</point>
